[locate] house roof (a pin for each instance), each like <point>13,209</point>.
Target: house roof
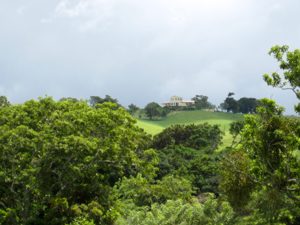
<point>182,102</point>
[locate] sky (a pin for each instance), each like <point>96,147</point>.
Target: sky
<point>142,51</point>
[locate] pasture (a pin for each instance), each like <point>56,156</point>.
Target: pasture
<point>196,117</point>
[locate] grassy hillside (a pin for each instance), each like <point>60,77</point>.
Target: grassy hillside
<point>197,117</point>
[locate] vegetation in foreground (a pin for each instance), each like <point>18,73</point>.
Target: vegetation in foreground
<point>68,162</point>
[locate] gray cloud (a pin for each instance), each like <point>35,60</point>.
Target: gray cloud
<point>144,51</point>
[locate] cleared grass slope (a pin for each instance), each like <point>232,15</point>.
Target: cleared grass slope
<point>196,117</point>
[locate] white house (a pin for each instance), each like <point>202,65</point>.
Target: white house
<point>177,101</point>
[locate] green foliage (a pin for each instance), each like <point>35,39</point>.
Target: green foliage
<point>4,101</point>
<point>261,179</point>
<point>223,106</point>
<point>247,105</point>
<point>230,103</point>
<point>132,109</point>
<point>153,110</point>
<point>172,159</point>
<point>74,100</point>
<point>187,117</point>
<point>236,130</point>
<point>265,209</point>
<point>180,212</point>
<point>143,192</point>
<point>163,113</point>
<point>201,102</point>
<point>196,166</point>
<point>291,71</point>
<point>243,105</point>
<point>94,100</point>
<point>266,161</point>
<point>55,155</point>
<point>235,182</point>
<point>194,136</point>
<point>188,151</point>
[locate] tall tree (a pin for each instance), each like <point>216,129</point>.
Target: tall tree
<point>153,109</point>
<point>223,106</point>
<point>133,108</point>
<point>247,105</point>
<point>201,102</point>
<point>94,100</point>
<point>4,101</point>
<point>231,103</point>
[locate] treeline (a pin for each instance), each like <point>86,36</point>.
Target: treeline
<point>155,110</point>
<point>243,105</point>
<point>230,105</point>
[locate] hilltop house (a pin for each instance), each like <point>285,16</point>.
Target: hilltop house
<point>177,101</point>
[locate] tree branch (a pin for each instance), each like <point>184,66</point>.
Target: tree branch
<point>1,203</point>
<point>294,181</point>
<point>292,196</point>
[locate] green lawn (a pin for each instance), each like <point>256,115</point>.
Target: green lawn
<point>197,117</point>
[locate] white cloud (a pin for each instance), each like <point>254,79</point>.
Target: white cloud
<point>49,20</point>
<point>89,13</point>
<point>178,20</point>
<point>21,9</point>
<point>276,7</point>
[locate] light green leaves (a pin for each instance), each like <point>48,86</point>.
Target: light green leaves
<point>63,151</point>
<point>291,70</point>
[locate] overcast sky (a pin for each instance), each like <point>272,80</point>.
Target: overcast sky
<point>140,51</point>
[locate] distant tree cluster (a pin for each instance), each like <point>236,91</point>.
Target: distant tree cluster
<point>243,105</point>
<point>201,102</point>
<point>132,109</point>
<point>94,100</point>
<point>153,109</point>
<point>74,100</point>
<point>4,101</point>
